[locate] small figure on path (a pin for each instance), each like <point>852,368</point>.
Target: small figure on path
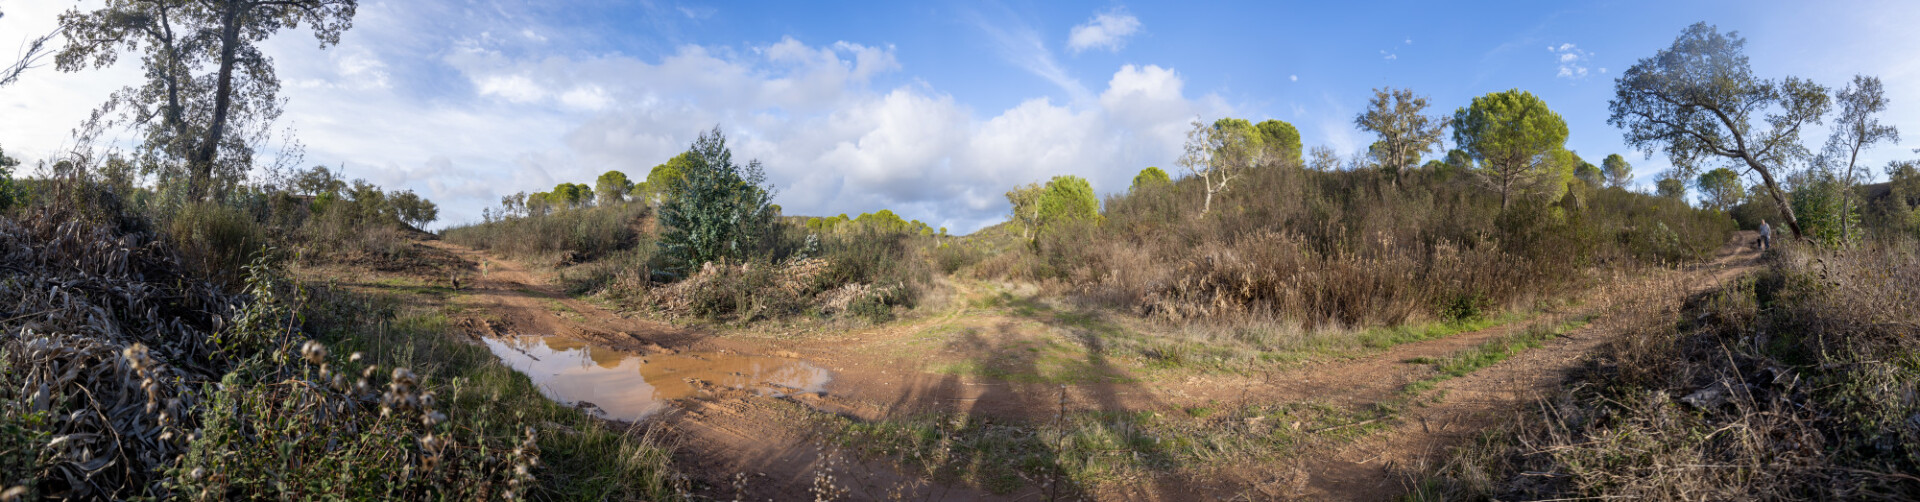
<point>1766,235</point>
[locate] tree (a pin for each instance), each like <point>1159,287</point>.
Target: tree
<point>1283,139</point>
<point>1324,159</point>
<point>1217,155</point>
<point>1405,133</point>
<point>1150,177</point>
<point>1699,100</point>
<point>612,188</point>
<point>211,89</point>
<point>1671,185</point>
<point>35,50</point>
<point>571,195</point>
<point>1068,198</point>
<point>1854,130</point>
<point>717,211</point>
<point>1517,142</point>
<point>1590,174</point>
<point>1720,189</point>
<point>317,180</point>
<point>1617,171</point>
<point>1025,202</point>
<point>413,209</point>
<point>661,179</point>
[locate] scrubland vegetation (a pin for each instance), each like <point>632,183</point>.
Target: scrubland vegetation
<point>165,336</point>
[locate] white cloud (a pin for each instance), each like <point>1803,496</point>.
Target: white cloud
<point>1294,78</point>
<point>1388,55</point>
<point>1572,61</point>
<point>1106,30</point>
<point>464,121</point>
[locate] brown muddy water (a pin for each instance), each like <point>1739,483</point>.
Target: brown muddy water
<point>626,386</point>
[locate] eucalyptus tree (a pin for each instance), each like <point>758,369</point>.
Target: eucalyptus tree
<point>209,89</point>
<point>1699,101</point>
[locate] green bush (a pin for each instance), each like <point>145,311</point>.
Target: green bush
<point>717,212</point>
<point>217,240</point>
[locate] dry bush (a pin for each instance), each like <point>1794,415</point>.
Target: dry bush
<point>1800,383</point>
<point>1350,248</point>
<point>563,237</point>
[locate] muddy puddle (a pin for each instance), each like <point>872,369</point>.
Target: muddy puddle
<point>627,386</point>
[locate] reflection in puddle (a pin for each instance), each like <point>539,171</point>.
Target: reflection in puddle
<point>630,387</point>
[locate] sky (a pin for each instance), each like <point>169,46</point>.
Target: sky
<point>934,109</point>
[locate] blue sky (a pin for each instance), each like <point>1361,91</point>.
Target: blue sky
<point>933,109</point>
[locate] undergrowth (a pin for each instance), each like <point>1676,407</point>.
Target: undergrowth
<point>1796,383</point>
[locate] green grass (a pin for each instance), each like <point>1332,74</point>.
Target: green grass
<point>1492,352</point>
<point>1086,449</point>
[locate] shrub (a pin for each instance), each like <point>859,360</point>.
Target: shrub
<point>717,211</point>
<point>216,239</point>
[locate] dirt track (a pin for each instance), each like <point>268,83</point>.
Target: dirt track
<point>738,433</point>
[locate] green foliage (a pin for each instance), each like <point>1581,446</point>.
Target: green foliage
<point>1720,189</point>
<point>1699,100</point>
<point>717,212</point>
<point>1671,185</point>
<point>1398,118</point>
<point>662,178</point>
<point>1823,212</point>
<point>216,239</point>
<point>612,188</point>
<point>1590,174</point>
<point>1283,139</point>
<point>9,193</point>
<point>1618,172</point>
<point>1518,142</point>
<point>1067,199</point>
<point>1150,177</point>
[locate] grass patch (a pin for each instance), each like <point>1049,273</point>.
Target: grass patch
<point>1492,352</point>
<point>1084,450</point>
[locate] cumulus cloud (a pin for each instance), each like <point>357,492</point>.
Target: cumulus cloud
<point>464,118</point>
<point>1106,30</point>
<point>1572,61</point>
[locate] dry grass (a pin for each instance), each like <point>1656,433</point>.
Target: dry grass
<point>1349,249</point>
<point>1799,383</point>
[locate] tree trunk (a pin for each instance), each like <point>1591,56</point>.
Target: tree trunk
<point>1780,199</point>
<point>202,160</point>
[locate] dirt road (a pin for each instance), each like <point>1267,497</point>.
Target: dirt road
<point>754,445</point>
